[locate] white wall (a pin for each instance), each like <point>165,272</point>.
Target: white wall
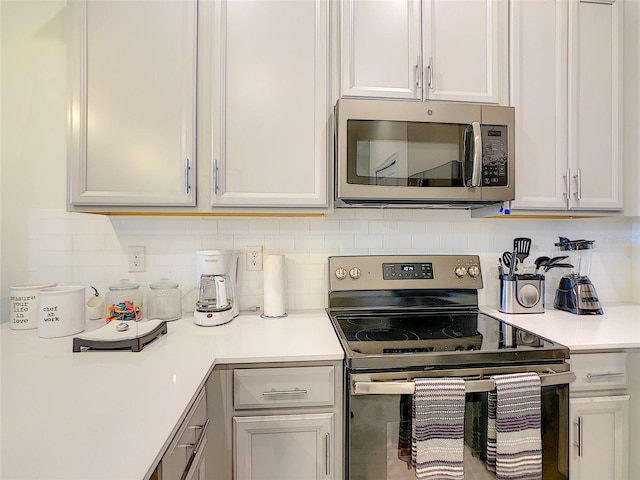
<point>41,241</point>
<point>33,116</point>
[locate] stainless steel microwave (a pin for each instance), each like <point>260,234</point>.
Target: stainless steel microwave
<point>413,154</point>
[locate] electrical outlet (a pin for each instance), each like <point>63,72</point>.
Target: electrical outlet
<point>136,259</point>
<point>254,258</point>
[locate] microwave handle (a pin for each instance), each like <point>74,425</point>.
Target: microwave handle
<point>476,173</point>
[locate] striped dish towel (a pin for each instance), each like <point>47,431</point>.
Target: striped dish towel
<point>514,444</point>
<point>438,428</point>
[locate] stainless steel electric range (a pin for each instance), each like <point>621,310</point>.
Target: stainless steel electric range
<point>401,317</point>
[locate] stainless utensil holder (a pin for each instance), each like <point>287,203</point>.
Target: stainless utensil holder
<point>523,293</point>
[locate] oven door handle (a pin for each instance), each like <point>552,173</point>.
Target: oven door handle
<point>471,386</point>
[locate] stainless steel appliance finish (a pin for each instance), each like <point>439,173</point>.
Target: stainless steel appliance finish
<point>402,153</point>
<point>523,293</point>
<point>401,317</point>
<point>576,293</point>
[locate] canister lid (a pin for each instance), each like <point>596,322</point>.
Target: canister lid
<point>163,284</point>
<point>124,284</point>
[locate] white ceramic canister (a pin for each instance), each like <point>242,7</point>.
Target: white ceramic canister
<point>24,304</point>
<point>61,311</point>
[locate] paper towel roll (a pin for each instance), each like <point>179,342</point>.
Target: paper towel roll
<point>274,271</point>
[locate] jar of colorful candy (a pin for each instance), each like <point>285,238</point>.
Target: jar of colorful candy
<point>124,301</point>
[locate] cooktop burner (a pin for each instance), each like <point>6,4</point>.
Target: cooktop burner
<point>403,326</point>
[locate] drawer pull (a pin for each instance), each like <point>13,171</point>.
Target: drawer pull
<point>284,393</point>
<point>196,445</point>
<point>603,375</point>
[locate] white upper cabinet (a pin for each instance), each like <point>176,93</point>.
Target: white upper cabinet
<point>381,49</point>
<point>595,107</point>
<point>567,97</point>
<point>132,106</point>
<point>425,50</point>
<point>271,103</point>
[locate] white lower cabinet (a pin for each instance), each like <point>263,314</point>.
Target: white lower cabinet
<point>599,435</point>
<point>283,447</point>
<point>276,421</point>
<point>599,416</point>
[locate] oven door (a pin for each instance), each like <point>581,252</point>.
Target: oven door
<point>379,429</point>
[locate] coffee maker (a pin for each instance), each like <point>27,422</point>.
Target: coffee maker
<point>217,302</point>
<point>576,293</point>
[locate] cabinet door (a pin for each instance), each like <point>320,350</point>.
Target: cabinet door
<point>595,83</point>
<point>465,54</point>
<point>270,103</point>
<point>286,447</point>
<point>539,44</point>
<point>381,50</point>
<point>599,436</point>
<point>132,110</point>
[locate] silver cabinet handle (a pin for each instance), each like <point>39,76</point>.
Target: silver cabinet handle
<point>187,173</point>
<point>284,393</point>
<point>327,454</point>
<point>567,184</point>
<point>430,74</point>
<point>476,174</point>
<point>578,178</point>
<point>196,445</point>
<point>418,73</point>
<point>578,441</point>
<point>215,177</point>
<point>604,375</point>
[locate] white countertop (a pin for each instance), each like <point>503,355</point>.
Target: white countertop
<point>109,415</point>
<point>618,328</point>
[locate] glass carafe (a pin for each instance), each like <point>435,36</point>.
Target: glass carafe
<point>216,293</point>
<point>579,252</point>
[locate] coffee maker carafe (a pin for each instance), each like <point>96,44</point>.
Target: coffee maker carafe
<point>576,293</point>
<point>217,274</point>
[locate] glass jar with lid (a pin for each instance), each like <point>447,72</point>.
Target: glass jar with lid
<point>164,301</point>
<point>124,301</point>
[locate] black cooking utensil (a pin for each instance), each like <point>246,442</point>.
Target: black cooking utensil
<point>541,262</point>
<point>557,265</point>
<point>510,261</point>
<point>522,247</point>
<point>555,260</point>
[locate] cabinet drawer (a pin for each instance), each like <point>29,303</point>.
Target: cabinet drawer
<point>599,371</point>
<point>283,387</point>
<point>188,444</point>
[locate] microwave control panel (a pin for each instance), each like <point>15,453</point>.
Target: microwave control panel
<point>494,156</point>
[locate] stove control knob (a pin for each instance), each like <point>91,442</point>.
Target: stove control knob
<point>460,271</point>
<point>341,273</point>
<point>474,271</point>
<point>354,273</point>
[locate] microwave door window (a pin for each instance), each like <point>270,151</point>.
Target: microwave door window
<point>381,159</point>
<point>407,154</point>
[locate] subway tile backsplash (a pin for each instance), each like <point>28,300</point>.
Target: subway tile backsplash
<point>92,250</point>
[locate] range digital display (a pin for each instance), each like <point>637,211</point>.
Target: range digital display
<point>407,271</point>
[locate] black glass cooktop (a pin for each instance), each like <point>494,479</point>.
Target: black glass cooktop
<point>397,337</point>
<point>408,327</point>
